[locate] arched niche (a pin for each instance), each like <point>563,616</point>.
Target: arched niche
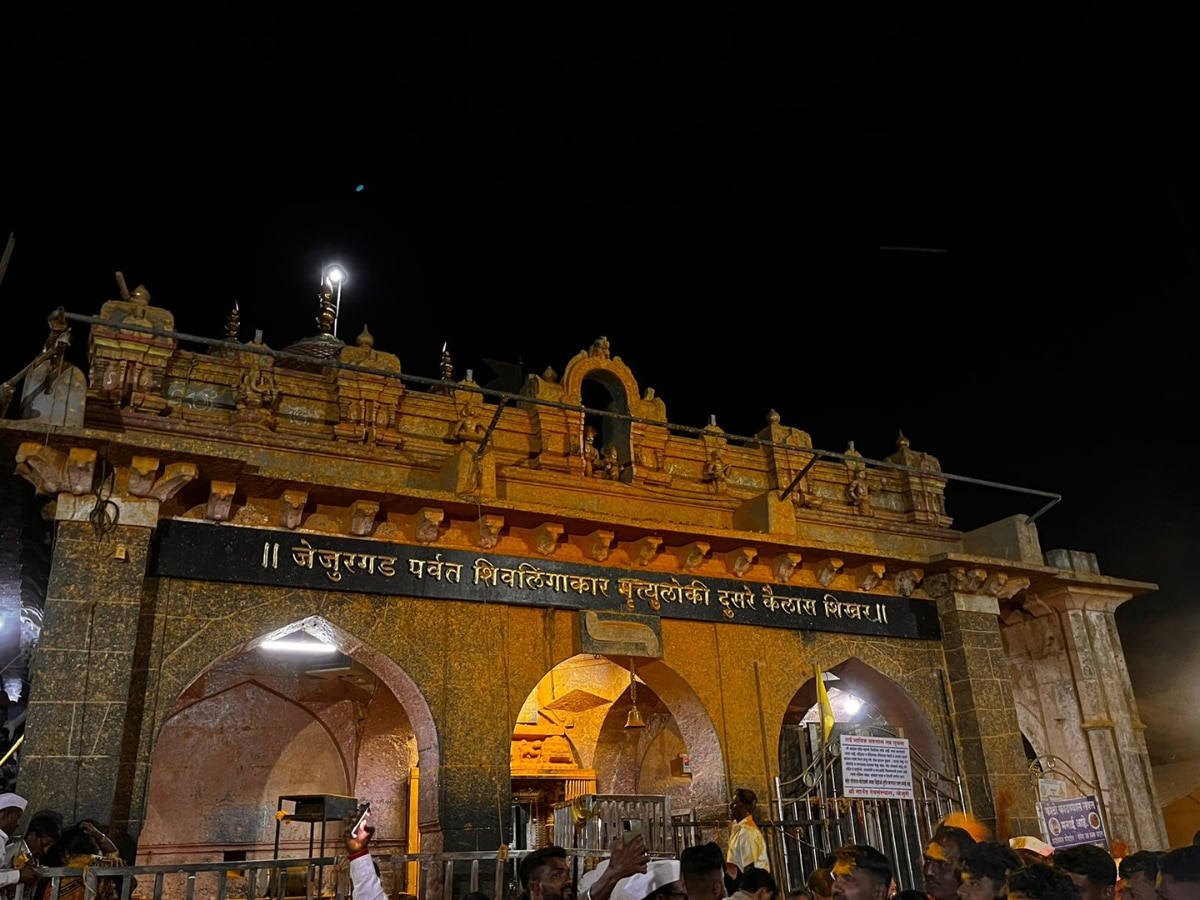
<point>584,703</point>
<point>647,760</point>
<point>601,389</point>
<point>363,711</point>
<point>888,696</point>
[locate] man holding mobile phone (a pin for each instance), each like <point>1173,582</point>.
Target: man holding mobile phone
<point>364,880</point>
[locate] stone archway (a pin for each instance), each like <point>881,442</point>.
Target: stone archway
<point>262,725</point>
<point>571,737</point>
<point>888,696</point>
<point>648,760</point>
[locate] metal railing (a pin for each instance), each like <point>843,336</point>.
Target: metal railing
<point>815,817</point>
<point>443,876</point>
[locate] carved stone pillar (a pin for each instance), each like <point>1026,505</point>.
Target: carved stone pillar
<point>991,758</point>
<point>77,758</point>
<point>86,751</point>
<point>1075,702</point>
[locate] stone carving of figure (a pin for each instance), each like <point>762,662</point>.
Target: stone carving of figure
<point>600,348</point>
<point>470,427</point>
<point>859,491</point>
<point>609,465</point>
<point>591,456</point>
<point>256,389</point>
<point>717,471</point>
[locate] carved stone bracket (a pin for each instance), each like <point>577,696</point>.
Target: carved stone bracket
<point>1012,586</point>
<point>545,537</point>
<point>52,471</point>
<point>969,581</point>
<point>692,555</point>
<point>427,524</point>
<point>784,565</point>
<point>489,531</point>
<point>291,508</point>
<point>828,569</point>
<point>220,501</point>
<point>597,545</point>
<point>868,575</point>
<point>362,517</point>
<point>142,470</point>
<point>173,479</point>
<point>646,549</point>
<point>739,561</point>
<point>908,580</point>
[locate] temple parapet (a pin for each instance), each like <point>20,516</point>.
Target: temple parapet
<point>593,431</point>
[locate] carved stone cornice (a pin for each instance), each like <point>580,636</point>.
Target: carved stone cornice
<point>134,491</point>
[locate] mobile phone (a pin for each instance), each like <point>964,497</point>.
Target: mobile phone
<point>360,817</point>
<point>630,829</point>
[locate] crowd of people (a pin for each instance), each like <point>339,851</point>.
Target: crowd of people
<point>47,843</point>
<point>955,866</point>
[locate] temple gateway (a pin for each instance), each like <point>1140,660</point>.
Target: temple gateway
<point>300,573</point>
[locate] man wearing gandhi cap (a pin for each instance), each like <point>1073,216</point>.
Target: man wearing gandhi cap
<point>11,808</point>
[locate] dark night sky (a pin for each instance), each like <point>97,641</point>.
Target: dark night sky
<point>709,189</point>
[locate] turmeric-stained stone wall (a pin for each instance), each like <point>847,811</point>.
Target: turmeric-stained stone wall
<point>461,671</point>
<point>81,733</point>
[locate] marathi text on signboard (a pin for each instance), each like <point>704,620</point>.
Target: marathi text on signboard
<point>1068,823</point>
<point>209,552</point>
<point>879,768</point>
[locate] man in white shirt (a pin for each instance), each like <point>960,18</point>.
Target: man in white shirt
<point>12,807</point>
<point>747,845</point>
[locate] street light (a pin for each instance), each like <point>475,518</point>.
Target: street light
<point>334,276</point>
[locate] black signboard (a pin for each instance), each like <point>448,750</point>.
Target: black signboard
<point>232,553</point>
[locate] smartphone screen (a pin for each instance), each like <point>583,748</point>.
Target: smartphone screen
<point>630,828</point>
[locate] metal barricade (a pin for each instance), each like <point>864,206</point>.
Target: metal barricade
<point>593,821</point>
<point>813,817</point>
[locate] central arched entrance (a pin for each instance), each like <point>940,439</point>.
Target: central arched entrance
<point>577,734</point>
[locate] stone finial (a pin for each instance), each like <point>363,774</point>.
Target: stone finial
<point>868,575</point>
<point>907,581</point>
<point>489,531</point>
<point>427,524</point>
<point>773,418</point>
<point>234,323</point>
<point>365,339</point>
<point>828,569</point>
<point>597,544</point>
<point>220,500</point>
<point>326,310</point>
<point>692,555</point>
<point>646,549</point>
<point>291,508</point>
<point>785,565</point>
<point>362,516</point>
<point>739,561</point>
<point>545,537</point>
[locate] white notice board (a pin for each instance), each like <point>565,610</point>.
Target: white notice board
<point>876,767</point>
